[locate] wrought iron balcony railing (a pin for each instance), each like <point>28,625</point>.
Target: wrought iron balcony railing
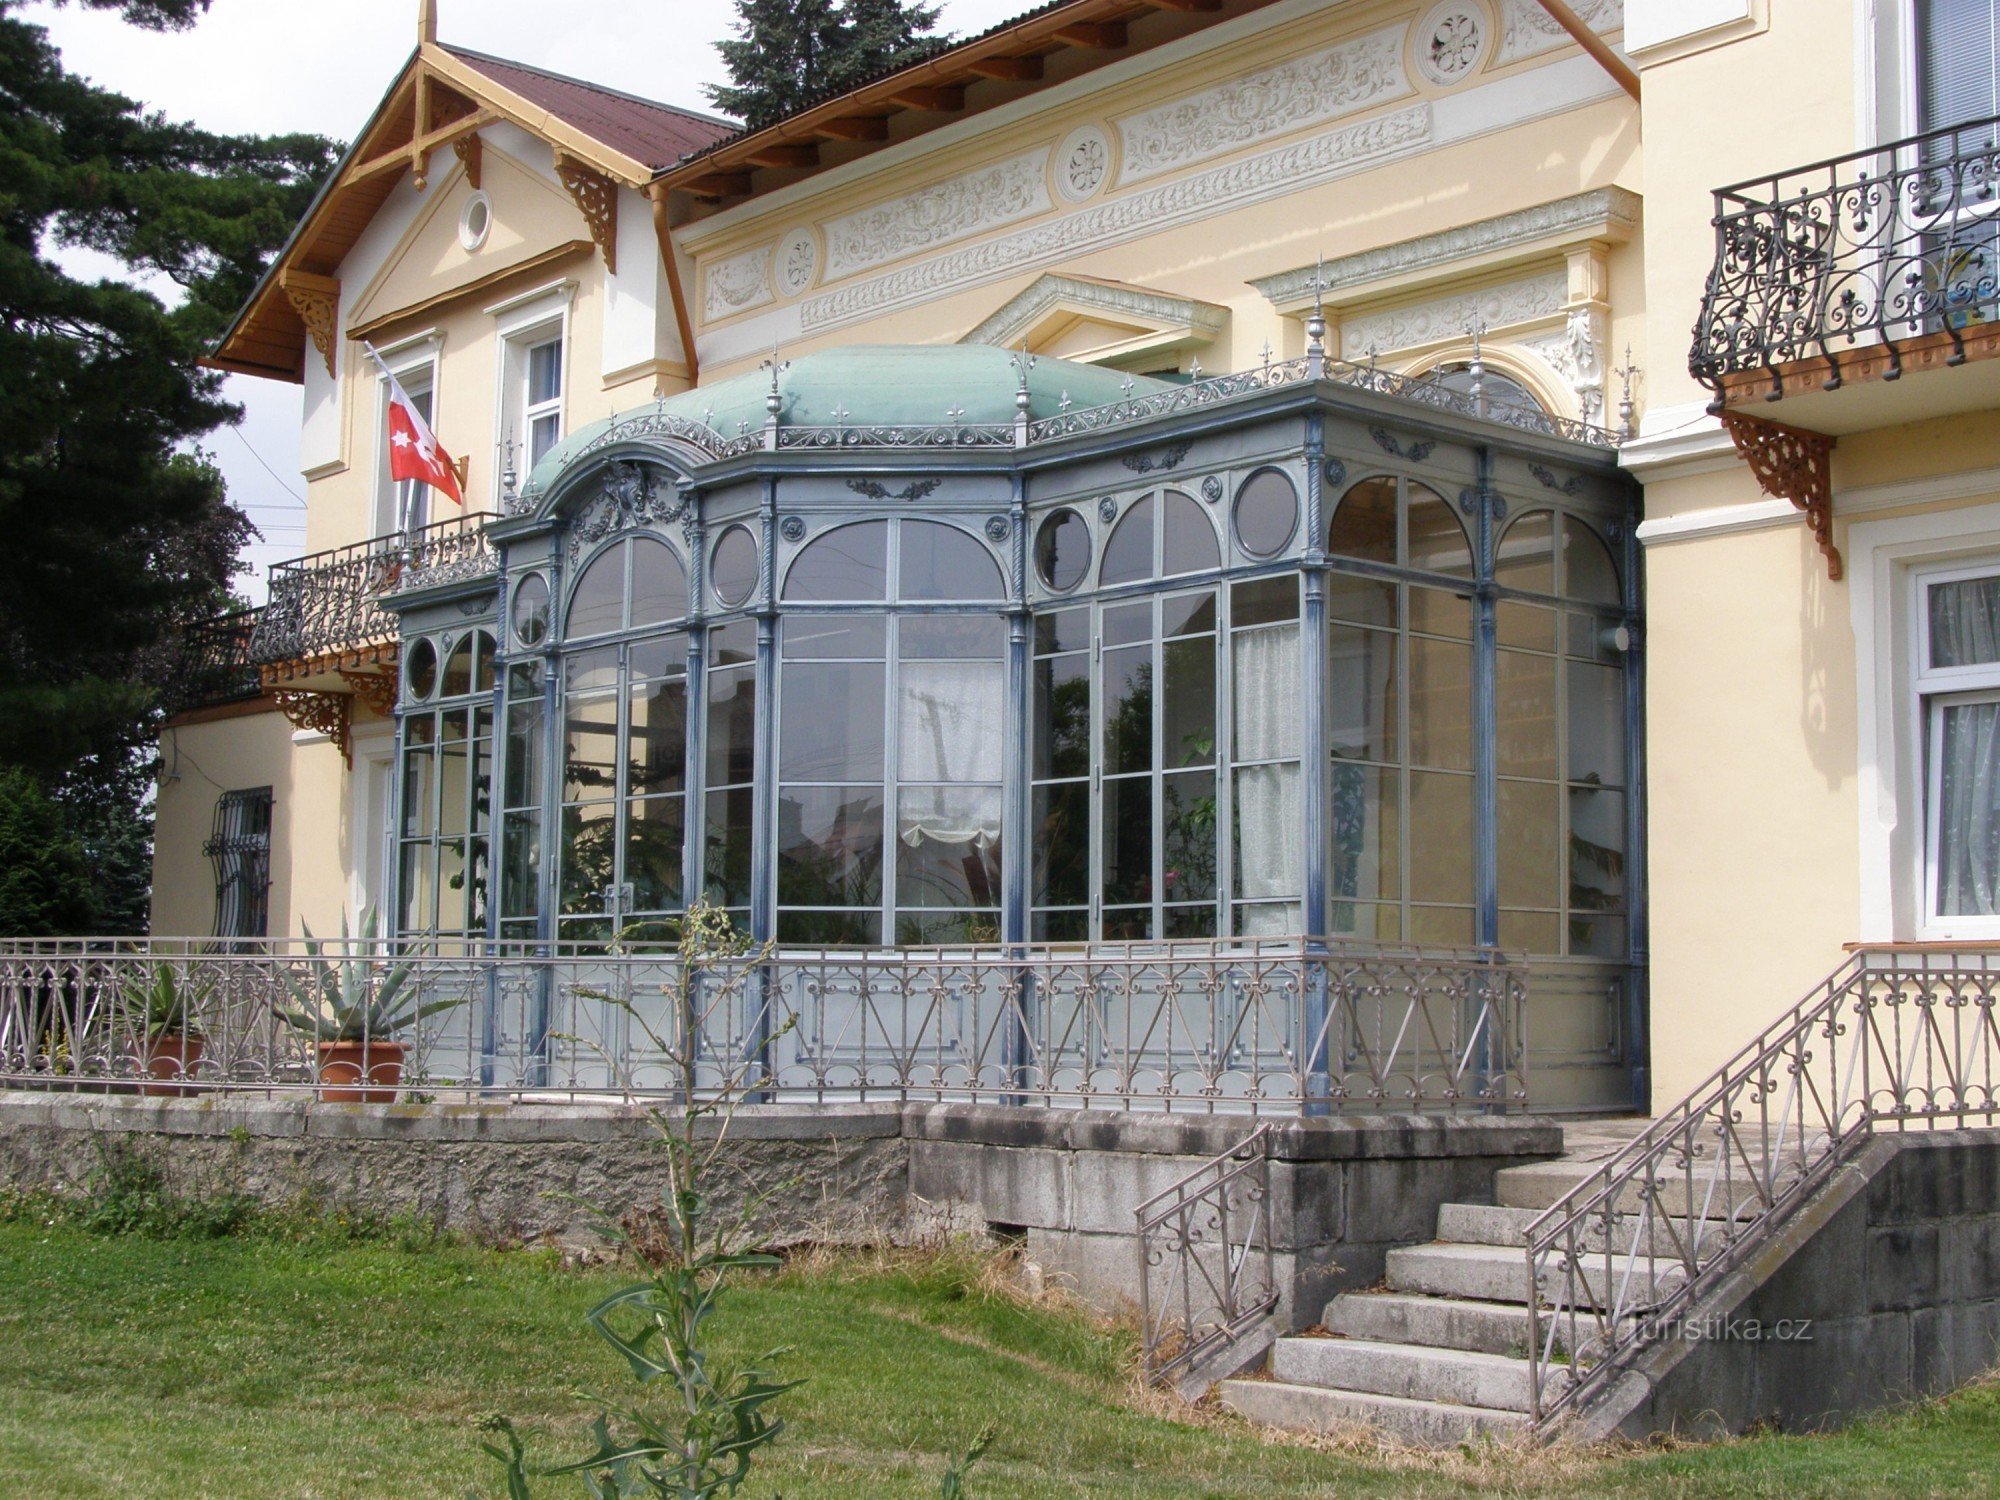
<point>330,603</point>
<point>215,665</point>
<point>1868,251</point>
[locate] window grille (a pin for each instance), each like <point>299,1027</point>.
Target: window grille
<point>240,850</point>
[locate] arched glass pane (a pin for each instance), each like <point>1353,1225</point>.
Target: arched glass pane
<point>1128,556</point>
<point>849,562</point>
<point>482,669</point>
<point>458,668</point>
<point>1188,544</point>
<point>1526,556</point>
<point>1437,540</point>
<point>1364,528</point>
<point>659,583</point>
<point>1062,550</point>
<point>942,562</point>
<point>597,603</point>
<point>1267,512</point>
<point>1498,386</point>
<point>735,566</point>
<point>1589,573</point>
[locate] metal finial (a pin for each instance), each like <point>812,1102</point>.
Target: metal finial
<point>954,415</point>
<point>1063,405</point>
<point>1266,352</point>
<point>1127,386</point>
<point>1316,324</point>
<point>839,415</point>
<point>1477,369</point>
<point>1022,363</point>
<point>775,401</point>
<point>509,478</point>
<point>708,417</point>
<point>1194,368</point>
<point>1625,406</point>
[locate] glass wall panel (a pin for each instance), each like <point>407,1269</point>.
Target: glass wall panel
<point>848,563</point>
<point>1128,556</point>
<point>446,788</point>
<point>1267,735</point>
<point>936,561</point>
<point>1589,573</point>
<point>659,584</point>
<point>597,602</point>
<point>1525,558</point>
<point>1440,702</point>
<point>731,765</point>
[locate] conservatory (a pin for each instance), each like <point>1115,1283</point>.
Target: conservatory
<point>952,653</point>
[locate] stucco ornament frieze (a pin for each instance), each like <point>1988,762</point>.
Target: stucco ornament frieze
<point>1527,30</point>
<point>1450,42</point>
<point>796,261</point>
<point>1082,162</point>
<point>738,283</point>
<point>1285,169</point>
<point>1320,86</point>
<point>633,495</point>
<point>1444,318</point>
<point>965,205</point>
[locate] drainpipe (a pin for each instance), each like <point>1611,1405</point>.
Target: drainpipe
<point>1595,45</point>
<point>664,233</point>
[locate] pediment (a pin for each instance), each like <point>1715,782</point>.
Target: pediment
<point>1094,321</point>
<point>532,218</point>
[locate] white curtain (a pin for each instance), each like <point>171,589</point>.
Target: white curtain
<point>1965,622</point>
<point>952,729</point>
<point>1268,704</point>
<point>1968,854</point>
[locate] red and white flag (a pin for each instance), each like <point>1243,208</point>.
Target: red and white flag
<point>414,451</point>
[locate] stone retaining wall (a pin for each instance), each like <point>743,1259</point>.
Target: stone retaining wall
<point>1343,1190</point>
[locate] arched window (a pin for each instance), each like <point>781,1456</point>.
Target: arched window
<point>1499,386</point>
<point>1589,572</point>
<point>631,584</point>
<point>1160,536</point>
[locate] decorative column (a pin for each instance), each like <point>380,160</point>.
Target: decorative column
<point>1315,771</point>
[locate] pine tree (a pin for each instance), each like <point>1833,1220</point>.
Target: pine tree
<point>117,530</point>
<point>786,53</point>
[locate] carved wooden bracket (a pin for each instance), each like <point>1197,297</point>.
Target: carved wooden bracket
<point>376,689</point>
<point>322,713</point>
<point>316,299</point>
<point>597,199</point>
<point>470,157</point>
<point>1792,464</point>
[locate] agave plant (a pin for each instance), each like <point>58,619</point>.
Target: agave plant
<point>353,997</point>
<point>162,1000</point>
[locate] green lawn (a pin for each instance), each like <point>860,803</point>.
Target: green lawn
<point>257,1366</point>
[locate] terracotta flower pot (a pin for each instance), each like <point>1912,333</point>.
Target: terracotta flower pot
<point>172,1057</point>
<point>359,1072</point>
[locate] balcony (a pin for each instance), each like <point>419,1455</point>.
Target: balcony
<point>214,666</point>
<point>326,613</point>
<point>1833,282</point>
<point>325,636</point>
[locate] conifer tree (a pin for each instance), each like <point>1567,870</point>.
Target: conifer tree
<point>786,53</point>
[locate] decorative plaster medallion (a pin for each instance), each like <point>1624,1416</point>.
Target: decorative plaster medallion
<point>797,259</point>
<point>938,214</point>
<point>1211,489</point>
<point>1282,170</point>
<point>1450,41</point>
<point>792,528</point>
<point>738,284</point>
<point>997,528</point>
<point>1082,163</point>
<point>1106,509</point>
<point>1319,86</point>
<point>1336,473</point>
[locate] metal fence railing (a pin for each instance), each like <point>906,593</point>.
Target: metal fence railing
<point>1253,1028</point>
<point>1207,1272</point>
<point>1897,1038</point>
<point>1874,247</point>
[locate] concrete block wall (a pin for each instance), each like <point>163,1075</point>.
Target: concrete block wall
<point>1893,1268</point>
<point>1343,1190</point>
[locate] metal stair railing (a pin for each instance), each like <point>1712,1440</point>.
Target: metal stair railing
<point>1900,1037</point>
<point>1207,1275</point>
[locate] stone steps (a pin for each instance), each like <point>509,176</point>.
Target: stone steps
<point>1481,1224</point>
<point>1440,1354</point>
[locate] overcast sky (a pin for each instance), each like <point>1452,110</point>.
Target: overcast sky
<point>266,66</point>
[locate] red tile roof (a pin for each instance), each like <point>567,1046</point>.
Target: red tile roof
<point>657,135</point>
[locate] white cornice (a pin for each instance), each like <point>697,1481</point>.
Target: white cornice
<point>1861,500</point>
<point>1678,442</point>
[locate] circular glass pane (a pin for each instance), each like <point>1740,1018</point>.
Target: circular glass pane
<point>734,566</point>
<point>1267,512</point>
<point>420,668</point>
<point>1062,550</point>
<point>531,610</point>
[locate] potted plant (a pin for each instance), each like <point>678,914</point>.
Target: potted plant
<point>353,1006</point>
<point>163,1006</point>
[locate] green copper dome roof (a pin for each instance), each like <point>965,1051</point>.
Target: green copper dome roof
<point>880,385</point>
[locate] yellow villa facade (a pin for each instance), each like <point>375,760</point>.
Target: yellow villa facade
<point>1674,737</point>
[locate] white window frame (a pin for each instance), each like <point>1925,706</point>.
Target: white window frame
<point>1936,689</point>
<point>1888,562</point>
<point>419,359</point>
<point>519,324</point>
